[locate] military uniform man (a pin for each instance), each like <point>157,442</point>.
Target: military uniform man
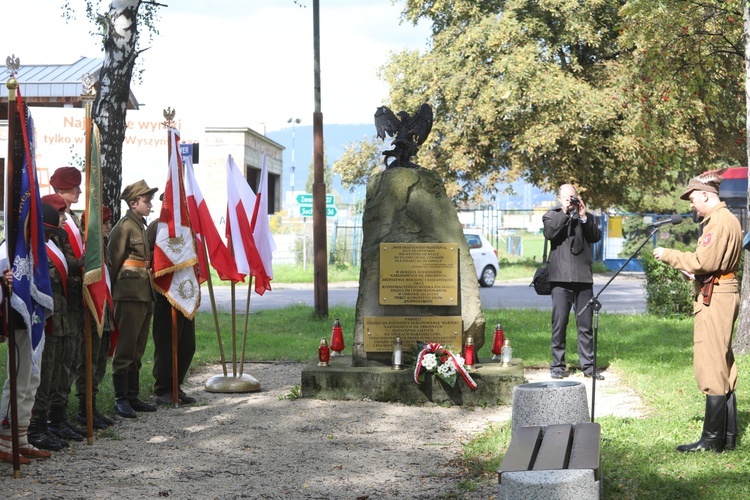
<point>66,182</point>
<point>713,267</point>
<point>133,296</point>
<point>53,216</point>
<point>162,335</point>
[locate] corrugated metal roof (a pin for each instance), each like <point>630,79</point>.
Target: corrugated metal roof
<point>55,83</point>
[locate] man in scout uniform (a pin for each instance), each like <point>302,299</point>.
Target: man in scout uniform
<point>53,217</point>
<point>133,296</point>
<point>713,267</point>
<point>66,182</point>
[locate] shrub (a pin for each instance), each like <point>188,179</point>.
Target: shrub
<point>667,291</point>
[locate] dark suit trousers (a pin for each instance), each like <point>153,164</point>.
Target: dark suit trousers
<point>565,296</point>
<point>162,334</point>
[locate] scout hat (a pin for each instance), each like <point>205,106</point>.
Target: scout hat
<point>65,178</point>
<point>707,181</point>
<point>55,200</point>
<point>133,191</point>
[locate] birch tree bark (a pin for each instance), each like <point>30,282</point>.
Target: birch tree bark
<point>110,105</point>
<point>741,343</point>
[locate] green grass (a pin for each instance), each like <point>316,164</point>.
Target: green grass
<point>652,355</point>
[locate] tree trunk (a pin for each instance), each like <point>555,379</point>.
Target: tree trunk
<point>110,105</point>
<point>741,342</point>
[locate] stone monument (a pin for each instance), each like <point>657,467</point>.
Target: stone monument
<point>413,238</point>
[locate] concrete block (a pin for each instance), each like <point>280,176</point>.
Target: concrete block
<point>549,403</point>
<point>549,485</point>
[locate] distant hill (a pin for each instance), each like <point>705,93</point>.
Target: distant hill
<point>337,137</point>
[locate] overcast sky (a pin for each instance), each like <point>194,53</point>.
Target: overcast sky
<point>239,62</point>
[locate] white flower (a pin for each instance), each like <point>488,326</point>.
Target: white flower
<point>429,361</point>
<point>447,369</point>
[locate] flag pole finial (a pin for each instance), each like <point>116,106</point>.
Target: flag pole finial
<point>13,64</point>
<point>169,117</point>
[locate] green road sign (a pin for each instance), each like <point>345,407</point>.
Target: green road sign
<point>307,199</point>
<point>308,211</point>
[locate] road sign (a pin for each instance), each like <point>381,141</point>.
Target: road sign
<point>307,199</point>
<point>308,211</point>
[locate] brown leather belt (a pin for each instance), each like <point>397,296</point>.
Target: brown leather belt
<point>726,276</point>
<point>137,263</point>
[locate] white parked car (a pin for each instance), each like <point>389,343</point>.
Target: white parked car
<point>484,255</point>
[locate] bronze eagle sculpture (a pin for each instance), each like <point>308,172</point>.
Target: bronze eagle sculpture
<point>408,133</point>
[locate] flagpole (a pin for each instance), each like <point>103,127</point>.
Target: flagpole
<point>247,316</point>
<point>11,230</point>
<point>87,97</point>
<point>234,333</point>
<point>169,122</point>
<point>213,307</point>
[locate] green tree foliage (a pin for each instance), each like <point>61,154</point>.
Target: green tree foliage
<point>327,176</point>
<point>567,91</point>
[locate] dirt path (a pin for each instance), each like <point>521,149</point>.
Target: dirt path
<point>266,445</point>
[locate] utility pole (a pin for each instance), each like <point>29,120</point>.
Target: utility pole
<point>319,186</point>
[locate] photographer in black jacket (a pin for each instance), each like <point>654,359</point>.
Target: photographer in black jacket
<point>571,231</point>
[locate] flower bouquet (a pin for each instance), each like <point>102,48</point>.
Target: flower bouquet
<point>434,358</point>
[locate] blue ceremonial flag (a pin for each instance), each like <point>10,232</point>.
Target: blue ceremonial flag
<point>32,291</point>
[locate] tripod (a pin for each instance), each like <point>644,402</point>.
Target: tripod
<point>595,305</point>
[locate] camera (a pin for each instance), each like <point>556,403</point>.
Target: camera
<point>574,200</point>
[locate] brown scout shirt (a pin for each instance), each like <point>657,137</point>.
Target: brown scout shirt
<point>128,241</point>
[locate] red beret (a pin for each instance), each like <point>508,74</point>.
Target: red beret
<point>65,178</point>
<point>55,200</point>
<point>106,214</point>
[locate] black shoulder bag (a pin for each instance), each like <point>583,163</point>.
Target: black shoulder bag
<point>541,282</point>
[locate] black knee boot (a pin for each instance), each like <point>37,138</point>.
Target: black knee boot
<point>98,424</point>
<point>133,389</point>
<point>122,404</point>
<point>108,422</point>
<point>714,427</point>
<point>730,439</point>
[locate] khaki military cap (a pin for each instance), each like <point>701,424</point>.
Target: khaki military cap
<point>133,191</point>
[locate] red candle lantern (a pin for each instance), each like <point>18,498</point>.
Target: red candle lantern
<point>497,341</point>
<point>324,353</point>
<point>337,338</point>
<point>469,358</point>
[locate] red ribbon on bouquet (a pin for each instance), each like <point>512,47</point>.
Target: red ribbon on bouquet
<point>433,348</point>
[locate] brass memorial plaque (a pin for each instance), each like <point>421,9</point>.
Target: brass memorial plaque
<point>381,331</point>
<point>424,274</point>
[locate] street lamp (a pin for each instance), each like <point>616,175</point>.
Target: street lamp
<point>293,121</point>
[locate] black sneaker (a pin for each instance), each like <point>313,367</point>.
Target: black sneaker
<point>597,376</point>
<point>556,374</point>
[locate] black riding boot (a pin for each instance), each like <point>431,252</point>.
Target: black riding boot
<point>133,388</point>
<point>59,425</point>
<point>100,416</point>
<point>714,427</point>
<point>40,437</point>
<point>98,424</point>
<point>122,404</point>
<point>730,438</point>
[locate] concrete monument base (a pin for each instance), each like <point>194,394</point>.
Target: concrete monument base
<point>379,382</point>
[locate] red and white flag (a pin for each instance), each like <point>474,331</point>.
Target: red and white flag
<point>174,252</point>
<point>74,235</point>
<point>261,229</point>
<point>57,257</point>
<point>240,208</point>
<point>206,232</point>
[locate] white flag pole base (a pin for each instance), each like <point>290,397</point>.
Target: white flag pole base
<point>239,383</point>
